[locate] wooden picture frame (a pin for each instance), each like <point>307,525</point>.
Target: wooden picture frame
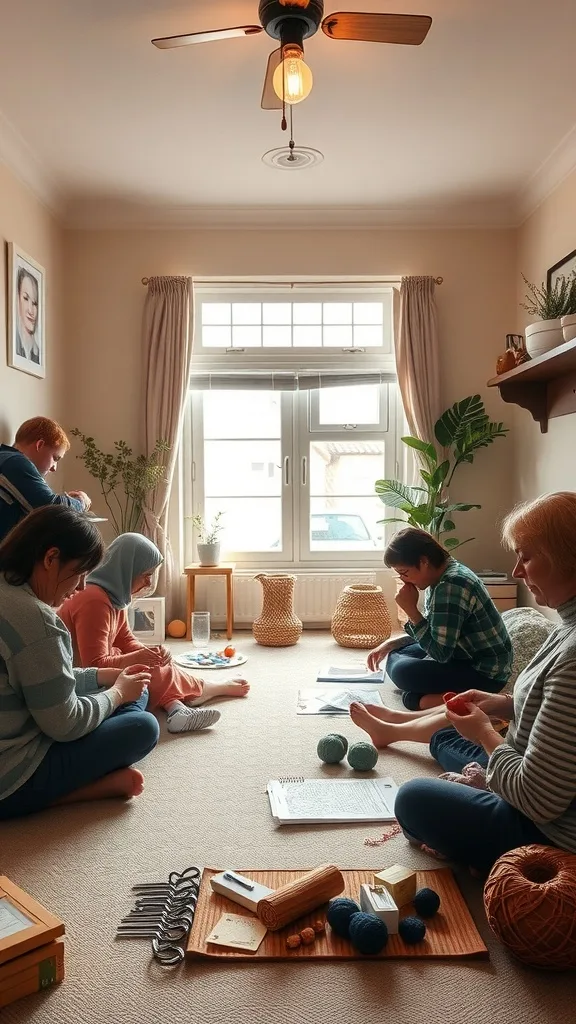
<point>24,923</point>
<point>26,313</point>
<point>564,268</point>
<point>148,620</point>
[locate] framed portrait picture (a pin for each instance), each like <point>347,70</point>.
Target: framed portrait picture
<point>564,268</point>
<point>26,320</point>
<point>147,619</point>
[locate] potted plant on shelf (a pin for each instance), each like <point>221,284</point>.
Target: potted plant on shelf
<point>125,480</point>
<point>462,430</point>
<point>555,307</point>
<point>208,545</point>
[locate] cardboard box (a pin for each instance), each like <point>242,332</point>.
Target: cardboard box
<point>400,883</point>
<point>32,972</point>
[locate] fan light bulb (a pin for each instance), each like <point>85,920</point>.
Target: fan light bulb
<point>292,80</point>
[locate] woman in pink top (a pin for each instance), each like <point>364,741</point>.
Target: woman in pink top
<point>101,636</point>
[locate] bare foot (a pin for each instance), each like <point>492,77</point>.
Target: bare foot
<point>381,733</point>
<point>390,714</point>
<point>234,688</point>
<point>123,784</point>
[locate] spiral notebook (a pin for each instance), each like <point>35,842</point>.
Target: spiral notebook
<point>298,801</point>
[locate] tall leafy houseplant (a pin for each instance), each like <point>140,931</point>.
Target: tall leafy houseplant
<point>462,430</point>
<point>125,480</point>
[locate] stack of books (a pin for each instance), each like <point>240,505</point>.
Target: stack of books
<point>31,947</point>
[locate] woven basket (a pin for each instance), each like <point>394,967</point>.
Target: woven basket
<point>361,617</point>
<point>277,625</point>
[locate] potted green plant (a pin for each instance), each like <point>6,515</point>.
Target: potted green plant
<point>552,306</point>
<point>461,431</point>
<point>208,545</point>
<point>125,480</point>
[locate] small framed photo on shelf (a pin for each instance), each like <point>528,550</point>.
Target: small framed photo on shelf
<point>26,319</point>
<point>148,620</point>
<point>564,268</point>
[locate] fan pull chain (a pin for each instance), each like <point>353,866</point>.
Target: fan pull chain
<point>284,122</point>
<point>291,144</point>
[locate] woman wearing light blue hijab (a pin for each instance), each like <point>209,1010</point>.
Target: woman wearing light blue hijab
<point>98,623</point>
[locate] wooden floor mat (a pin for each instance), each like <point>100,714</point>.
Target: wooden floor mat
<point>451,933</point>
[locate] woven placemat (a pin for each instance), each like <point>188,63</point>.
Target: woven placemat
<point>451,933</point>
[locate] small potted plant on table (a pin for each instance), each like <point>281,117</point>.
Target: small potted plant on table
<point>208,545</point>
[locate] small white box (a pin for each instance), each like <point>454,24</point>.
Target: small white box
<point>377,900</point>
<point>248,898</point>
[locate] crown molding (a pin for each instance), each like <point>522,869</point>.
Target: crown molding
<point>102,214</point>
<point>558,166</point>
<point>27,168</point>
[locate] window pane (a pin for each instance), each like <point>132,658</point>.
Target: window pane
<point>247,337</point>
<point>341,468</point>
<point>307,313</point>
<point>277,337</point>
<point>337,312</point>
<point>216,313</point>
<point>309,336</point>
<point>340,337</point>
<point>346,524</point>
<point>246,468</point>
<point>366,337</point>
<point>217,337</point>
<point>246,313</point>
<point>359,404</point>
<point>277,313</point>
<point>368,312</point>
<point>251,524</point>
<point>241,414</point>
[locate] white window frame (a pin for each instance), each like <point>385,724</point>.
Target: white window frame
<point>295,551</point>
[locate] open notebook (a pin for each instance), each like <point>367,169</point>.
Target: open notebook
<point>334,701</point>
<point>354,673</point>
<point>299,801</point>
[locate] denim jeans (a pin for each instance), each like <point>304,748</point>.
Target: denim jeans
<point>412,672</point>
<point>453,752</point>
<point>471,826</point>
<point>121,740</point>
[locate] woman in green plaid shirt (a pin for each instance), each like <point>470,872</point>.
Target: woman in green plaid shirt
<point>459,643</point>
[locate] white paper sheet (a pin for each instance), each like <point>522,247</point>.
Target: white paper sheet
<point>332,800</point>
<point>318,701</point>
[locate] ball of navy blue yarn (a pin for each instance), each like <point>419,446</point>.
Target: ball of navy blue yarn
<point>339,913</point>
<point>412,930</point>
<point>367,933</point>
<point>426,902</point>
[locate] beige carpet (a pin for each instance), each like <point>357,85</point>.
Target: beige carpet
<point>205,803</point>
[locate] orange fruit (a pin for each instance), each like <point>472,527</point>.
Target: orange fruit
<point>229,651</point>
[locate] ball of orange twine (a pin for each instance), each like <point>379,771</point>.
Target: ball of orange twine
<point>530,902</point>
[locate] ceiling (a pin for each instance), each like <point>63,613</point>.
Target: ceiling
<point>461,129</point>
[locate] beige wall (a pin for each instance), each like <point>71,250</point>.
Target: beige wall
<point>25,221</point>
<point>104,297</point>
<point>545,461</point>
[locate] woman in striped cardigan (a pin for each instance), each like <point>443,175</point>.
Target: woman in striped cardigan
<point>531,771</point>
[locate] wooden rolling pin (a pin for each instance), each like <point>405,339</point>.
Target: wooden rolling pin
<point>299,897</point>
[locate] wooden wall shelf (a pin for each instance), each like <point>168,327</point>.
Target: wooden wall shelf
<point>546,385</point>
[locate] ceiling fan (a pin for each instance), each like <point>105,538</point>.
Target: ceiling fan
<point>288,79</point>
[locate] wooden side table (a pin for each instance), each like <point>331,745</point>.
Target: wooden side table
<point>194,570</point>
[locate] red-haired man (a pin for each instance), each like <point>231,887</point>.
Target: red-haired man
<point>39,445</point>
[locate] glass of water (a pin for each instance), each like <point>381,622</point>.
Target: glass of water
<point>201,630</point>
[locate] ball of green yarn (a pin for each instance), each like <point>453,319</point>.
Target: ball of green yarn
<point>332,748</point>
<point>362,756</point>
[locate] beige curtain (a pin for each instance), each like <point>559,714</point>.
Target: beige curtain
<point>167,353</point>
<point>417,356</point>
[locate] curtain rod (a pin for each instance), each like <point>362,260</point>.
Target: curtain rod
<point>438,280</point>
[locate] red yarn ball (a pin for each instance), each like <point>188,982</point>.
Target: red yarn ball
<point>530,902</point>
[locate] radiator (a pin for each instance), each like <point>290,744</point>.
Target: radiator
<point>315,596</point>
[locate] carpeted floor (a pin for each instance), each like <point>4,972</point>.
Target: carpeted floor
<point>205,803</point>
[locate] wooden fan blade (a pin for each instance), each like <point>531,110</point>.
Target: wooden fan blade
<point>168,42</point>
<point>378,28</point>
<point>270,100</point>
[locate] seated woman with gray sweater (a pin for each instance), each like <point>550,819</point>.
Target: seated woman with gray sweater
<point>531,771</point>
<point>66,734</point>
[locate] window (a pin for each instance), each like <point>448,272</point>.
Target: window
<point>294,416</point>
